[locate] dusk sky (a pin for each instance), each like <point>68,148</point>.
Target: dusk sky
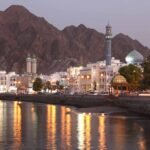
<point>131,17</point>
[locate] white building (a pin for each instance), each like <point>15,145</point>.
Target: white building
<point>98,76</point>
<point>59,76</point>
<point>8,82</point>
<point>73,76</point>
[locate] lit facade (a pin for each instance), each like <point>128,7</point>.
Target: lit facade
<point>73,77</point>
<point>61,77</point>
<point>8,82</point>
<point>98,76</point>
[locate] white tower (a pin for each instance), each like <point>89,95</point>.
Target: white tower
<point>34,65</point>
<point>28,64</point>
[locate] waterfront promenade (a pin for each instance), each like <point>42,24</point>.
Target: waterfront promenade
<point>139,104</point>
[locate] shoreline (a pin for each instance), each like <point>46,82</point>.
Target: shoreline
<point>137,104</point>
<point>81,101</point>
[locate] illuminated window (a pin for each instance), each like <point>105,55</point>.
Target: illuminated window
<point>82,77</point>
<point>88,76</point>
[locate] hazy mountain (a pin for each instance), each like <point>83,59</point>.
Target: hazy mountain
<point>21,33</point>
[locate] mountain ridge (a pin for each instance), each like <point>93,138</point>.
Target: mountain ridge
<point>22,32</point>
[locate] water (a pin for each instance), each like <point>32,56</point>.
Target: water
<point>30,126</point>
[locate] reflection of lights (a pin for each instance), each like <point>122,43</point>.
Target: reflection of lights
<point>51,125</point>
<point>63,113</point>
<point>2,117</point>
<point>84,131</point>
<point>102,132</point>
<point>53,112</point>
<point>142,142</point>
<point>80,124</point>
<point>66,127</point>
<point>87,132</point>
<point>17,124</point>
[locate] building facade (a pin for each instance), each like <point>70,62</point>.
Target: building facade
<point>8,82</point>
<point>98,76</point>
<point>73,78</point>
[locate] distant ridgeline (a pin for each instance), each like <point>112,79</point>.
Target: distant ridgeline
<point>21,33</point>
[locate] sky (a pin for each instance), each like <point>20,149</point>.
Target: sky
<point>131,17</point>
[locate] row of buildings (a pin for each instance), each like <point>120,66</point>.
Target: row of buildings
<point>94,77</point>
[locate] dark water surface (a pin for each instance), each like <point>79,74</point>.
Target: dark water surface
<point>31,126</point>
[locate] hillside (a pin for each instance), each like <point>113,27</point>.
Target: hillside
<point>21,32</point>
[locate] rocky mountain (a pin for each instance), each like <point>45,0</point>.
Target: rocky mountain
<point>21,33</point>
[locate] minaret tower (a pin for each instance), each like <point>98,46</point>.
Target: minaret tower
<point>28,64</point>
<point>34,65</point>
<point>108,37</point>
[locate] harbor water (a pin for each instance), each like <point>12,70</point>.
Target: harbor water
<point>35,126</point>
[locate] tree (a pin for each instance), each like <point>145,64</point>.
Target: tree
<point>146,73</point>
<point>57,84</point>
<point>133,74</point>
<point>37,85</point>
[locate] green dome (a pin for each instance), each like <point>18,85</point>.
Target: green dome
<point>134,57</point>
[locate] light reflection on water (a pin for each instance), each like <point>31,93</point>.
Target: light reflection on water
<point>31,126</point>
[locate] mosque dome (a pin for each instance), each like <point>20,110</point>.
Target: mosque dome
<point>134,57</point>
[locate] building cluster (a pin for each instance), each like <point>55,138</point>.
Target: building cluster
<point>13,83</point>
<point>94,77</point>
<point>98,76</point>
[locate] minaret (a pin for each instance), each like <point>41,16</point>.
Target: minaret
<point>28,64</point>
<point>108,37</point>
<point>34,65</point>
